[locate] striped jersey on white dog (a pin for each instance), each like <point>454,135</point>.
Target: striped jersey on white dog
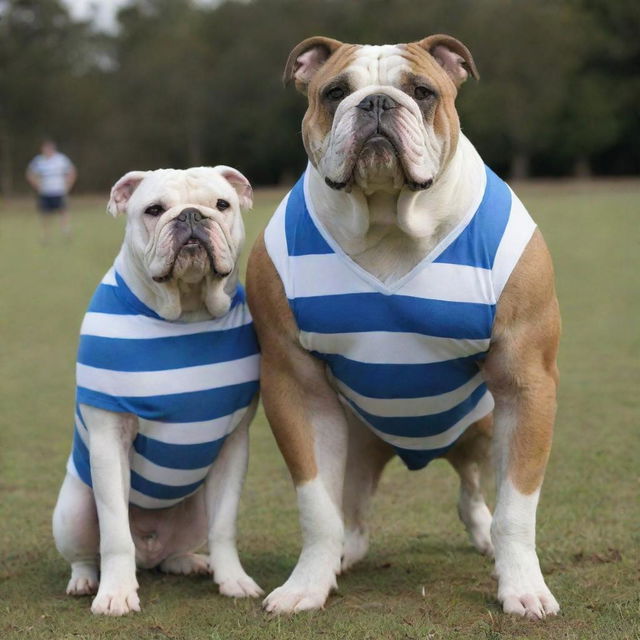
<point>190,384</point>
<point>405,357</point>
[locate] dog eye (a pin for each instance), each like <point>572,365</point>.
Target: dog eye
<point>221,205</point>
<point>155,210</point>
<point>422,93</point>
<point>335,93</point>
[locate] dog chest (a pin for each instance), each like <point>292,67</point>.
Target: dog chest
<point>190,384</point>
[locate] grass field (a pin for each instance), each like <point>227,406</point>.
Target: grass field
<point>421,579</point>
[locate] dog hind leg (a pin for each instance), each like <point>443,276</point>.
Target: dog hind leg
<point>469,458</point>
<point>75,530</point>
<point>367,456</point>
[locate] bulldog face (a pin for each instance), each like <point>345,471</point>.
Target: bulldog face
<point>380,115</point>
<point>184,226</point>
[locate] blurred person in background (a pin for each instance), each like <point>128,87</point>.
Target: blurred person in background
<point>52,175</point>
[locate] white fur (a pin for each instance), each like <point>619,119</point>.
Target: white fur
<point>320,509</point>
<point>315,574</point>
<point>521,586</point>
<point>145,251</point>
<point>222,494</point>
<point>388,234</point>
<point>97,526</point>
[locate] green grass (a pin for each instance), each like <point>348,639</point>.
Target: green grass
<point>421,579</point>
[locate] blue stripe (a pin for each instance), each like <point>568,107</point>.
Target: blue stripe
<point>476,246</point>
<point>80,455</point>
<point>423,426</point>
<point>119,300</point>
<point>161,354</point>
<point>401,380</point>
<point>106,300</point>
<point>358,312</point>
<point>178,456</point>
<point>415,460</point>
<point>195,406</point>
<point>162,491</point>
<point>302,236</point>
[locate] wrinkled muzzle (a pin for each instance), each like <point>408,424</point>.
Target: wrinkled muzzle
<point>192,243</point>
<point>379,132</point>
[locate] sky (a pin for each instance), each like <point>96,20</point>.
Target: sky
<point>103,10</point>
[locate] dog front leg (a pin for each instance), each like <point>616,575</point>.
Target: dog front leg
<point>311,430</point>
<point>110,438</point>
<point>222,494</point>
<point>310,427</point>
<point>522,375</point>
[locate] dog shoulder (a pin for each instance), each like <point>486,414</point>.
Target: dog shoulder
<point>272,316</point>
<point>527,320</point>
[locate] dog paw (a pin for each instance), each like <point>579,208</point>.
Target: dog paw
<point>285,600</point>
<point>116,602</point>
<point>303,591</point>
<point>356,545</point>
<point>522,589</point>
<point>83,581</point>
<point>534,606</point>
<point>241,586</point>
<point>186,564</point>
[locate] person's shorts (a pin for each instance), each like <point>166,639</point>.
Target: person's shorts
<point>51,204</point>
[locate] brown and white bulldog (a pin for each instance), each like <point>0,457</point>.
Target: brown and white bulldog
<point>391,178</point>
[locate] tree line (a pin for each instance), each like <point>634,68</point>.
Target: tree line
<point>181,83</point>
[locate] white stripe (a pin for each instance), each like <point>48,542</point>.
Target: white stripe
<point>147,502</point>
<point>165,475</point>
<point>191,432</point>
<point>517,234</point>
<point>326,275</point>
<point>411,407</point>
<point>110,278</point>
<point>435,281</point>
<point>443,439</point>
<point>390,347</point>
<point>275,242</point>
<point>151,383</point>
<point>139,327</point>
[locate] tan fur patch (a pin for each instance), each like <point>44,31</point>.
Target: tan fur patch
<point>521,366</point>
<point>317,120</point>
<point>282,385</point>
<point>445,120</point>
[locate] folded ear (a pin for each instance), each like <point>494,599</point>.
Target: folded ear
<point>306,58</point>
<point>241,185</point>
<point>122,191</point>
<point>452,56</point>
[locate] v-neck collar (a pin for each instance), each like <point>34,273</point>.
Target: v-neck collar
<point>362,273</point>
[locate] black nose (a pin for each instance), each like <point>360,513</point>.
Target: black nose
<point>377,103</point>
<point>191,214</point>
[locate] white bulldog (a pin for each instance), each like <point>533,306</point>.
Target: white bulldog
<point>404,302</point>
<point>167,381</point>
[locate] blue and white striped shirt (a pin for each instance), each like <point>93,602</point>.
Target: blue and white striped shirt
<point>190,384</point>
<point>405,357</point>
